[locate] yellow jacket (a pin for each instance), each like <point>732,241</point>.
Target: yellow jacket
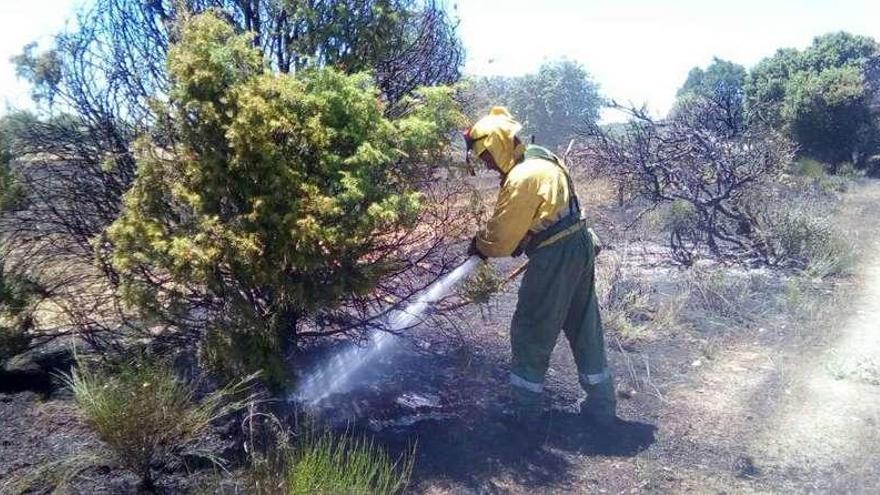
<point>533,196</point>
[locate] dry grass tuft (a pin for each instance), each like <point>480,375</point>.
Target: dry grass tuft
<point>632,307</point>
<point>146,416</point>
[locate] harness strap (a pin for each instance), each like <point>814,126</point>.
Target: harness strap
<point>565,226</point>
<point>534,151</point>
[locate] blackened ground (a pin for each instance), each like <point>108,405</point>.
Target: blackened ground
<point>764,405</point>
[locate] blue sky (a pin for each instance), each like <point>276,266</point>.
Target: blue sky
<point>637,50</point>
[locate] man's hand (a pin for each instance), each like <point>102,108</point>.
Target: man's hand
<point>473,251</point>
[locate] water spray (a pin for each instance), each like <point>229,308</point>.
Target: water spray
<point>332,377</point>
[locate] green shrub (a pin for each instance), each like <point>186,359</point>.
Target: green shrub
<point>810,168</point>
<point>808,241</point>
<point>271,198</point>
<point>145,415</point>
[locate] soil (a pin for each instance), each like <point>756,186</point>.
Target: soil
<point>763,407</point>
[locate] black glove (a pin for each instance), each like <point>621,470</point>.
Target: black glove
<point>473,251</point>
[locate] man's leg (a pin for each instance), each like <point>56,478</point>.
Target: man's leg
<point>583,329</point>
<point>544,297</point>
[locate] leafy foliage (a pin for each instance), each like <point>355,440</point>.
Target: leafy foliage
<point>824,96</point>
<point>10,185</point>
<point>827,113</point>
<point>553,104</point>
<point>280,194</point>
<point>16,291</point>
<point>16,320</point>
<point>96,86</point>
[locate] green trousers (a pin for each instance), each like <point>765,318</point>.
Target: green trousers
<point>558,293</point>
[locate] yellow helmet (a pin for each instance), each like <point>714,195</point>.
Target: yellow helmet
<point>495,133</point>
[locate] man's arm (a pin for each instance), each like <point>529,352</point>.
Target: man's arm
<point>515,211</point>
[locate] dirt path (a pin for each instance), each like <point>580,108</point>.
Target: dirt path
<point>803,416</point>
<point>830,422</point>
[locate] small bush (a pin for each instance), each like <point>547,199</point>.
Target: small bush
<point>808,241</point>
<point>872,166</point>
<point>321,463</point>
<point>16,320</point>
<point>811,168</point>
<point>13,341</point>
<point>718,293</point>
<point>626,303</point>
<point>145,415</point>
<point>718,297</point>
<point>848,170</point>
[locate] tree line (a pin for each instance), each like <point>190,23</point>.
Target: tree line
<point>240,175</point>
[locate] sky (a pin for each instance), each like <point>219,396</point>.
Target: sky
<point>22,22</point>
<point>639,51</point>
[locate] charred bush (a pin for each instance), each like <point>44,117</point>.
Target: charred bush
<point>700,166</point>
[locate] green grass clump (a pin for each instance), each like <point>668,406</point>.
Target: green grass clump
<point>328,464</point>
<point>145,415</point>
<point>320,463</point>
<point>810,168</point>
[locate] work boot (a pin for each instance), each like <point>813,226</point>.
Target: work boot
<point>600,406</point>
<point>524,406</point>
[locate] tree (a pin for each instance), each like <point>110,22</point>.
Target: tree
<point>823,96</point>
<point>553,104</point>
<point>702,171</point>
<point>97,86</point>
<point>767,83</point>
<point>722,82</point>
<point>557,101</point>
<point>827,113</point>
<point>282,198</point>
